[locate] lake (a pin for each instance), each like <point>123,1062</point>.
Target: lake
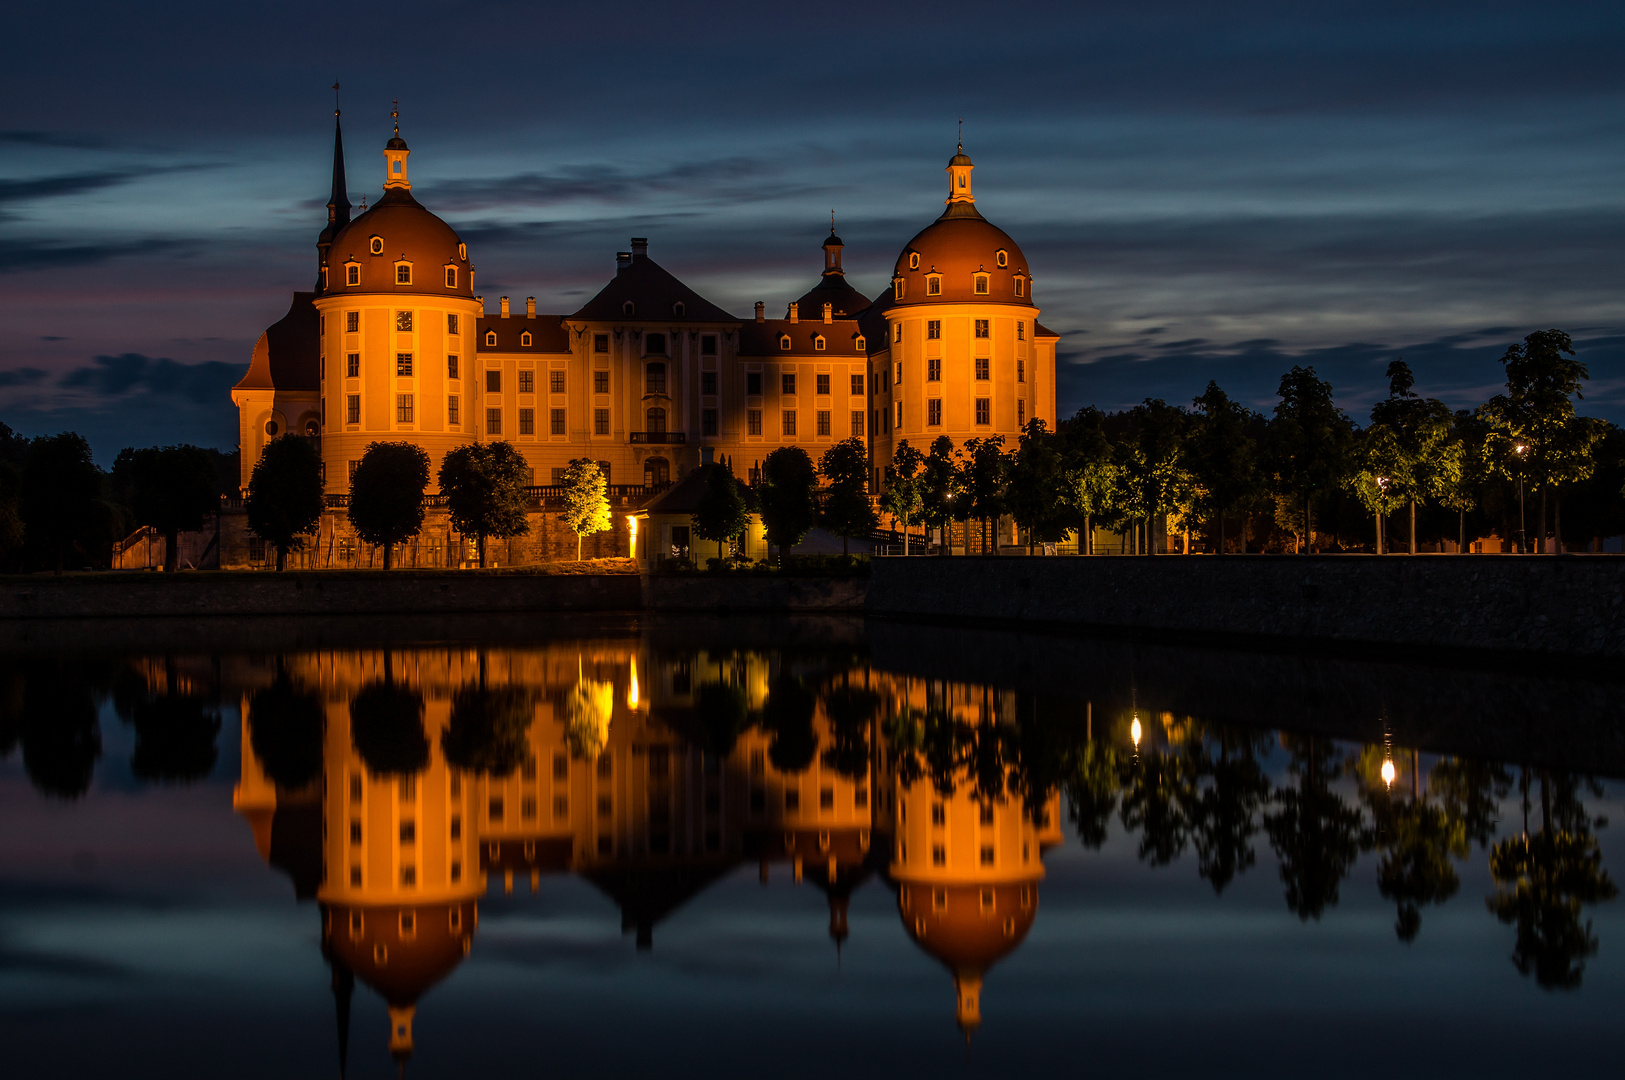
<point>794,847</point>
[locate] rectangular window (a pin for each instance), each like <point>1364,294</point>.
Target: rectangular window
<point>933,286</point>
<point>527,382</point>
<point>857,422</point>
<point>555,382</point>
<point>1021,371</point>
<point>787,383</point>
<point>885,421</point>
<point>403,363</point>
<point>600,421</point>
<point>984,410</point>
<point>933,369</point>
<point>708,344</point>
<point>897,333</point>
<point>352,322</point>
<point>933,329</point>
<point>451,277</point>
<point>600,382</point>
<point>451,366</point>
<point>600,343</point>
<point>708,421</point>
<point>352,365</point>
<point>527,421</point>
<point>1021,412</point>
<point>403,408</point>
<point>555,422</point>
<point>753,421</point>
<point>558,476</point>
<point>981,328</point>
<point>403,321</point>
<point>353,466</point>
<point>1021,329</point>
<point>753,382</point>
<point>352,274</point>
<point>933,412</point>
<point>493,382</point>
<point>451,411</point>
<point>885,378</point>
<point>708,382</point>
<point>451,322</point>
<point>789,422</point>
<point>823,421</point>
<point>403,274</point>
<point>352,409</point>
<point>981,367</point>
<point>493,421</point>
<point>857,384</point>
<point>823,384</point>
<point>899,420</point>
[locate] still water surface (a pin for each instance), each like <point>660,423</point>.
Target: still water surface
<point>795,848</point>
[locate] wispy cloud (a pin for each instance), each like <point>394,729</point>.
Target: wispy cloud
<point>19,255</point>
<point>110,376</point>
<point>730,179</point>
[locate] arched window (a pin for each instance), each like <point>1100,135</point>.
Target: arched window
<point>1021,285</point>
<point>897,289</point>
<point>451,277</point>
<point>654,344</point>
<point>655,421</point>
<point>462,252</point>
<point>629,308</point>
<point>656,471</point>
<point>654,378</point>
<point>1003,257</point>
<point>981,284</point>
<point>524,339</point>
<point>491,338</point>
<point>818,343</point>
<point>784,342</point>
<point>352,273</point>
<point>933,285</point>
<point>679,309</point>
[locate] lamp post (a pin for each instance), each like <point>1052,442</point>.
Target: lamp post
<point>1523,529</point>
<point>1382,488</point>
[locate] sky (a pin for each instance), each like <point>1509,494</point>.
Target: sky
<point>1203,192</point>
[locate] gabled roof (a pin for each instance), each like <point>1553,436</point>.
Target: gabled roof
<point>761,339</point>
<point>833,289</point>
<point>288,355</point>
<point>548,334</point>
<point>654,294</point>
<point>684,496</point>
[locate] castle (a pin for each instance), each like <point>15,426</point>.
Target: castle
<point>648,377</point>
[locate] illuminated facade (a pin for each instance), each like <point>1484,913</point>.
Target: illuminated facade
<point>648,377</point>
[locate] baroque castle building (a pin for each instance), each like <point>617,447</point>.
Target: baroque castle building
<point>648,377</point>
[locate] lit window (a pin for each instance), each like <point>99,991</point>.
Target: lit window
<point>524,339</point>
<point>352,273</point>
<point>493,421</point>
<point>527,382</point>
<point>981,284</point>
<point>352,409</point>
<point>984,411</point>
<point>352,322</point>
<point>818,343</point>
<point>403,321</point>
<point>784,342</point>
<point>451,411</point>
<point>451,366</point>
<point>861,344</point>
<point>376,245</point>
<point>1002,257</point>
<point>789,422</point>
<point>914,260</point>
<point>933,412</point>
<point>981,328</point>
<point>982,367</point>
<point>933,369</point>
<point>555,381</point>
<point>451,278</point>
<point>403,364</point>
<point>403,273</point>
<point>933,329</point>
<point>352,365</point>
<point>823,384</point>
<point>403,408</point>
<point>933,285</point>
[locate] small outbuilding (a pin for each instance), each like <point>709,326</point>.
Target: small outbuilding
<point>663,527</point>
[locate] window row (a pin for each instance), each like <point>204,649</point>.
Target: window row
<point>981,284</point>
<point>404,322</point>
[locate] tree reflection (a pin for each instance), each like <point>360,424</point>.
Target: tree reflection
<point>851,710</point>
<point>1313,831</point>
<point>1091,787</point>
<point>285,730</point>
<point>1159,794</point>
<point>788,714</point>
<point>1544,877</point>
<point>386,724</point>
<point>488,725</point>
<point>175,732</point>
<point>723,714</point>
<point>1224,818</point>
<point>56,724</point>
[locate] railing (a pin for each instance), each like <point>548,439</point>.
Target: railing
<point>676,437</point>
<point>541,495</point>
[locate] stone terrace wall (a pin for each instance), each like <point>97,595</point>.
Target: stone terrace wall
<point>1548,604</point>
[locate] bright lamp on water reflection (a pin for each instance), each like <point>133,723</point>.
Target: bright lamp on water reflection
<point>632,687</point>
<point>1134,732</point>
<point>1388,772</point>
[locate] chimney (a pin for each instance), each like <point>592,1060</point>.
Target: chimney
<point>530,308</point>
<point>761,310</point>
<point>623,259</point>
<point>795,312</point>
<point>504,307</point>
<point>640,247</point>
<point>829,312</point>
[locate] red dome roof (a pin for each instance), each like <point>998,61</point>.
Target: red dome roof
<point>409,233</point>
<point>957,246</point>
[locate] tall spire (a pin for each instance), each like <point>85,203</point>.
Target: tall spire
<point>343,989</point>
<point>338,204</point>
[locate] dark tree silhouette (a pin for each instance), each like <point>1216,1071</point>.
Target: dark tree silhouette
<point>723,714</point>
<point>1159,799</point>
<point>61,488</point>
<point>847,511</point>
<point>721,513</point>
<point>484,485</point>
<point>851,710</point>
<point>61,737</point>
<point>486,733</point>
<point>284,501</point>
<point>786,496</point>
<point>285,725</point>
<point>386,495</point>
<point>1092,787</point>
<point>386,724</point>
<point>175,732</point>
<point>788,714</point>
<point>1310,440</point>
<point>169,488</point>
<point>1225,817</point>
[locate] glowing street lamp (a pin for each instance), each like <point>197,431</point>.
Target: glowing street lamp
<point>1523,529</point>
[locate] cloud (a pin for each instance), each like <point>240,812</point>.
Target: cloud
<point>111,376</point>
<point>23,376</point>
<point>51,187</point>
<point>731,179</point>
<point>52,138</point>
<point>19,255</point>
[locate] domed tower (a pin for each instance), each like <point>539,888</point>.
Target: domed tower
<point>397,329</point>
<point>833,289</point>
<point>966,355</point>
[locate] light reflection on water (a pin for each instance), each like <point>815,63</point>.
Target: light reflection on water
<point>821,836</point>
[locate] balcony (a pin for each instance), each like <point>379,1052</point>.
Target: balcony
<point>659,437</point>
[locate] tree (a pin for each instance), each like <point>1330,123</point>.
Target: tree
<point>169,488</point>
<point>59,729</point>
<point>1090,477</point>
<point>60,488</point>
<point>1407,454</point>
<point>487,729</point>
<point>484,485</point>
<point>1459,488</point>
<point>901,498</point>
<point>983,477</point>
<point>285,727</point>
<point>1036,492</point>
<point>847,510</point>
<point>1309,445</point>
<point>11,517</point>
<point>721,513</point>
<point>1222,458</point>
<point>386,495</point>
<point>586,502</point>
<point>786,496</point>
<point>284,501</point>
<point>939,488</point>
<point>1154,481</point>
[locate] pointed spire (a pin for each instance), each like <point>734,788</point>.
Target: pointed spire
<point>338,204</point>
<point>343,989</point>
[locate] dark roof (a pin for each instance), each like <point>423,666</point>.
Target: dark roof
<point>761,339</point>
<point>288,355</point>
<point>1040,330</point>
<point>646,894</point>
<point>835,290</point>
<point>410,232</point>
<point>684,496</point>
<point>547,334</point>
<point>958,245</point>
<point>873,321</point>
<point>654,294</point>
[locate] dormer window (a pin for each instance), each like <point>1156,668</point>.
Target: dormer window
<point>524,339</point>
<point>403,273</point>
<point>324,277</point>
<point>981,285</point>
<point>352,273</point>
<point>462,252</point>
<point>1021,285</point>
<point>861,344</point>
<point>629,308</point>
<point>1002,258</point>
<point>491,339</point>
<point>376,245</point>
<point>679,309</point>
<point>914,260</point>
<point>451,277</point>
<point>897,289</point>
<point>818,343</point>
<point>933,285</point>
<point>784,342</point>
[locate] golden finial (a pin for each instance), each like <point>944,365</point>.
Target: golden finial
<point>395,115</point>
<point>335,98</point>
<point>961,134</point>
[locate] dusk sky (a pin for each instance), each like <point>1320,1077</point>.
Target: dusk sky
<point>1203,191</point>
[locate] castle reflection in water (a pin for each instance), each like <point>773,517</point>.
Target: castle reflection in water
<point>396,788</point>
